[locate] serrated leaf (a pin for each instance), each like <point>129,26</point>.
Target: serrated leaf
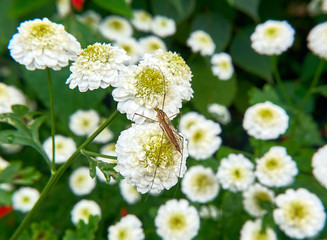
<point>83,231</point>
<point>250,7</point>
<point>116,6</point>
<point>16,174</point>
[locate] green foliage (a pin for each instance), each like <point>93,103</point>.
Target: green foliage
<point>83,231</point>
<point>250,7</point>
<point>15,173</point>
<point>40,231</point>
<point>176,9</point>
<point>115,6</point>
<point>22,7</point>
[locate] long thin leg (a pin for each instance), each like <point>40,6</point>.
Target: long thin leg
<point>144,117</point>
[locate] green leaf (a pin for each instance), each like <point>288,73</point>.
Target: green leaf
<point>246,58</point>
<point>22,7</point>
<point>83,231</point>
<point>268,93</point>
<point>16,174</point>
<point>115,6</point>
<point>43,231</point>
<point>5,197</point>
<point>176,9</point>
<point>321,90</point>
<point>249,7</point>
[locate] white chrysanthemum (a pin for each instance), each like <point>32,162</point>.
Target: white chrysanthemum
<point>319,165</point>
<point>3,164</point>
<point>132,48</point>
<point>276,168</point>
<point>235,173</point>
<point>80,181</point>
<point>163,26</point>
<point>256,196</point>
<point>10,95</point>
<point>147,158</point>
<point>83,210</point>
<point>64,148</point>
<point>63,7</point>
<point>188,120</point>
<point>115,27</point>
<point>24,199</point>
<point>317,40</point>
<point>128,228</point>
<point>129,193</point>
<point>272,37</point>
<point>177,220</point>
<point>109,150</point>
<point>10,148</point>
<point>97,66</point>
<point>90,18</point>
<point>210,212</point>
<point>142,20</point>
<point>299,213</point>
<point>84,122</point>
<point>203,139</point>
<point>151,44</point>
<point>251,230</point>
<point>265,121</point>
<point>220,112</point>
<point>222,66</point>
<point>200,41</point>
<point>200,184</point>
<point>41,43</point>
<point>105,136</point>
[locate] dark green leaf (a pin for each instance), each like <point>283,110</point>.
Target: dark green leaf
<point>268,93</point>
<point>16,174</point>
<point>115,6</point>
<point>83,231</point>
<point>22,7</point>
<point>43,231</point>
<point>321,90</point>
<point>176,9</point>
<point>250,7</point>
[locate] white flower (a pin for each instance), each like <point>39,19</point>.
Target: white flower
<point>10,148</point>
<point>299,213</point>
<point>80,181</point>
<point>235,173</point>
<point>105,136</point>
<point>200,41</point>
<point>10,95</point>
<point>222,66</point>
<point>115,27</point>
<point>63,7</point>
<point>64,148</point>
<point>151,44</point>
<point>317,40</point>
<point>41,43</point>
<point>90,18</point>
<point>3,164</point>
<point>200,184</point>
<point>177,220</point>
<point>319,165</point>
<point>276,168</point>
<point>265,121</point>
<point>254,197</point>
<point>147,158</point>
<point>109,150</point>
<point>128,228</point>
<point>251,230</point>
<point>24,199</point>
<point>188,120</point>
<point>163,26</point>
<point>272,37</point>
<point>97,66</point>
<point>83,210</point>
<point>142,20</point>
<point>132,48</point>
<point>220,112</point>
<point>84,122</point>
<point>129,193</point>
<point>210,212</point>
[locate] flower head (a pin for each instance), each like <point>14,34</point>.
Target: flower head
<point>3,164</point>
<point>272,37</point>
<point>317,40</point>
<point>163,26</point>
<point>251,230</point>
<point>115,27</point>
<point>84,122</point>
<point>222,66</point>
<point>177,220</point>
<point>200,41</point>
<point>10,95</point>
<point>129,193</point>
<point>299,213</point>
<point>83,210</point>
<point>64,147</point>
<point>142,20</point>
<point>80,181</point>
<point>265,121</point>
<point>319,165</point>
<point>41,43</point>
<point>188,120</point>
<point>24,199</point>
<point>148,160</point>
<point>220,112</point>
<point>151,44</point>
<point>90,18</point>
<point>132,48</point>
<point>128,228</point>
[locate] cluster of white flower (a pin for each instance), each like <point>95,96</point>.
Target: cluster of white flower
<point>115,27</point>
<point>9,96</point>
<point>200,41</point>
<point>319,165</point>
<point>129,227</point>
<point>83,210</point>
<point>24,199</point>
<point>64,148</point>
<point>222,66</point>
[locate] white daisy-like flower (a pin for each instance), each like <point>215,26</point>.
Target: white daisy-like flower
<point>203,139</point>
<point>24,199</point>
<point>10,95</point>
<point>235,172</point>
<point>299,213</point>
<point>41,43</point>
<point>210,212</point>
<point>276,168</point>
<point>317,40</point>
<point>64,148</point>
<point>132,48</point>
<point>222,66</point>
<point>128,228</point>
<point>83,210</point>
<point>90,18</point>
<point>109,150</point>
<point>200,184</point>
<point>115,27</point>
<point>256,196</point>
<point>147,158</point>
<point>3,164</point>
<point>129,193</point>
<point>251,230</point>
<point>163,26</point>
<point>80,181</point>
<point>10,148</point>
<point>84,122</point>
<point>97,66</point>
<point>177,220</point>
<point>63,7</point>
<point>151,44</point>
<point>188,120</point>
<point>319,165</point>
<point>105,136</point>
<point>142,20</point>
<point>220,112</point>
<point>272,37</point>
<point>265,121</point>
<point>200,41</point>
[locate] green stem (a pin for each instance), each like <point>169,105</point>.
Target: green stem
<point>94,154</point>
<point>55,177</point>
<point>52,117</point>
<point>313,83</point>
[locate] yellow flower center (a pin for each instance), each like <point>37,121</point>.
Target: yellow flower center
<point>198,135</point>
<point>96,52</point>
<point>25,199</point>
<point>123,234</point>
<point>85,213</point>
<point>297,212</point>
<point>272,32</point>
<point>201,182</point>
<point>116,24</point>
<point>237,174</point>
<point>41,30</point>
<point>274,164</point>
<point>204,39</point>
<point>144,16</point>
<point>224,65</point>
<point>177,222</point>
<point>265,116</point>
